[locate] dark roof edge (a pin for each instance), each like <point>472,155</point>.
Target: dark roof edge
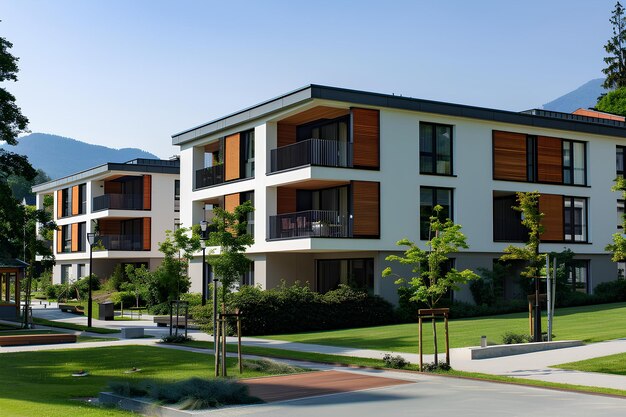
<point>402,103</point>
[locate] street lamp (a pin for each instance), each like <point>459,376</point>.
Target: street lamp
<point>91,238</point>
<point>203,237</point>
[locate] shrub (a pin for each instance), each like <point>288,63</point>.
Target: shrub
<point>612,290</point>
<point>116,279</point>
<point>126,297</point>
<point>159,309</point>
<point>81,286</point>
<point>270,367</point>
<point>176,338</point>
<point>510,338</point>
<point>396,362</point>
<point>193,298</point>
<point>436,367</point>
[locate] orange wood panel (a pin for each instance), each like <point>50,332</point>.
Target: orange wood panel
<point>366,138</point>
<point>112,187</point>
<point>59,204</point>
<point>231,201</point>
<point>551,205</point>
<point>549,159</point>
<point>74,237</point>
<point>75,201</point>
<point>509,156</point>
<point>366,208</point>
<point>232,157</point>
<point>147,233</point>
<point>59,240</point>
<point>285,200</point>
<point>147,192</point>
<point>316,113</point>
<point>286,134</point>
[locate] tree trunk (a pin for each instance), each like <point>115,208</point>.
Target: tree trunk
<point>435,341</point>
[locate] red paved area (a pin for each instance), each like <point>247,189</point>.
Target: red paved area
<point>289,387</point>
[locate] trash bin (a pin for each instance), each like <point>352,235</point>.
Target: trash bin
<point>105,311</point>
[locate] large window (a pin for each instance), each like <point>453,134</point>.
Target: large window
<point>619,160</point>
<point>620,214</point>
<point>507,223</point>
<point>248,277</point>
<point>575,219</point>
<point>82,236</point>
<point>356,273</point>
<point>81,272</point>
<point>429,198</point>
<point>578,275</point>
<point>435,149</point>
<point>66,236</point>
<point>67,202</point>
<point>176,196</point>
<point>65,273</point>
<point>574,162</point>
<point>82,198</point>
<point>249,196</point>
<point>247,154</point>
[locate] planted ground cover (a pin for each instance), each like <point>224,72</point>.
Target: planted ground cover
<point>612,364</point>
<point>40,383</point>
<point>593,323</point>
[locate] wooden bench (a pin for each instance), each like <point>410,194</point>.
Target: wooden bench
<point>177,321</point>
<point>69,308</point>
<point>37,339</point>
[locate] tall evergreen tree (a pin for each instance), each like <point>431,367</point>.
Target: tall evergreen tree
<point>616,48</point>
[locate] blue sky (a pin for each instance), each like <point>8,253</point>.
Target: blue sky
<point>125,73</point>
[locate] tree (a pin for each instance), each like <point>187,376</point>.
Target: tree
<point>22,187</point>
<point>428,284</point>
<point>613,102</point>
<point>616,48</point>
<point>229,233</point>
<point>138,281</point>
<point>618,247</point>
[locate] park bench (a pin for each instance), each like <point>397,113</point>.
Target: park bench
<point>69,308</point>
<point>37,339</point>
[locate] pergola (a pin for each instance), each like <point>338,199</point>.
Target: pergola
<point>11,272</point>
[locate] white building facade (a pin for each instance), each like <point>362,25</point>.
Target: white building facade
<point>129,205</point>
<point>338,176</point>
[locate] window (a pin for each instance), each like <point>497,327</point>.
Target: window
<point>619,157</point>
<point>249,196</point>
<point>67,202</point>
<point>575,219</point>
<point>574,162</point>
<point>247,154</point>
<point>620,214</point>
<point>578,275</point>
<point>66,236</point>
<point>65,273</point>
<point>176,196</point>
<point>82,237</point>
<point>82,198</point>
<point>81,271</point>
<point>435,149</point>
<point>356,273</point>
<point>531,158</point>
<point>507,223</point>
<point>248,277</point>
<point>429,198</point>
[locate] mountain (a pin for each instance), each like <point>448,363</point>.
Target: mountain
<point>58,156</point>
<point>584,96</point>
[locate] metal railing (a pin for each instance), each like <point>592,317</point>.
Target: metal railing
<point>310,223</point>
<point>121,242</point>
<point>118,201</point>
<point>210,176</point>
<point>321,152</point>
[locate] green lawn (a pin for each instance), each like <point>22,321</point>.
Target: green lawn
<point>80,339</point>
<point>613,364</point>
<point>589,323</point>
<point>72,326</point>
<point>40,383</point>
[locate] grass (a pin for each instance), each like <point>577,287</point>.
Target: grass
<point>79,339</point>
<point>36,381</point>
<point>72,326</point>
<point>377,363</point>
<point>574,323</point>
<point>612,364</point>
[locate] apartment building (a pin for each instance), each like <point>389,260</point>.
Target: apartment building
<point>338,176</point>
<point>129,205</point>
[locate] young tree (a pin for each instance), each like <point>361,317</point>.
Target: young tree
<point>618,247</point>
<point>229,233</point>
<point>138,280</point>
<point>616,48</point>
<point>428,284</point>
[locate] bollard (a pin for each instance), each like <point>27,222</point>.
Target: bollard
<point>483,341</point>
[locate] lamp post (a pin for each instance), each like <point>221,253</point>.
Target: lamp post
<point>91,238</point>
<point>203,237</point>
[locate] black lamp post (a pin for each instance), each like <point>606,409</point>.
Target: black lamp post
<point>91,238</point>
<point>203,237</point>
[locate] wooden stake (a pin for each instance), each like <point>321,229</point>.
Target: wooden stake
<point>217,349</point>
<point>445,321</point>
<point>419,320</point>
<point>239,340</point>
<point>224,372</point>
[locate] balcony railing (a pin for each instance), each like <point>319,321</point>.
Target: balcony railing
<point>310,223</point>
<point>210,176</point>
<point>321,152</point>
<point>118,201</point>
<point>121,242</point>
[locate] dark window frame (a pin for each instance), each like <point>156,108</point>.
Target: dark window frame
<point>570,273</point>
<point>433,154</point>
<point>247,141</point>
<point>572,219</point>
<point>349,272</point>
<point>570,168</point>
<point>434,198</point>
<point>623,159</point>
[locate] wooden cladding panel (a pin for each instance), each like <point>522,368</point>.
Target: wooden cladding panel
<point>147,192</point>
<point>59,240</point>
<point>366,208</point>
<point>286,134</point>
<point>147,233</point>
<point>509,156</point>
<point>112,187</point>
<point>551,206</point>
<point>59,204</point>
<point>231,201</point>
<point>232,157</point>
<point>74,237</point>
<point>315,113</point>
<point>549,159</point>
<point>366,138</point>
<point>110,227</point>
<point>75,201</point>
<point>285,200</point>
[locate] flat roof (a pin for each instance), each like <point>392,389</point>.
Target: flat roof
<point>160,166</point>
<point>535,117</point>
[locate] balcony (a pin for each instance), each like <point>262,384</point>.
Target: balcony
<point>118,201</point>
<point>121,242</point>
<point>320,152</point>
<point>210,176</point>
<point>310,223</point>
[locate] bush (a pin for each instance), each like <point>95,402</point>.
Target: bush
<point>161,309</point>
<point>510,338</point>
<point>270,367</point>
<point>396,362</point>
<point>81,286</point>
<point>116,279</point>
<point>193,298</point>
<point>612,290</point>
<point>436,367</point>
<point>126,297</point>
<point>176,338</point>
